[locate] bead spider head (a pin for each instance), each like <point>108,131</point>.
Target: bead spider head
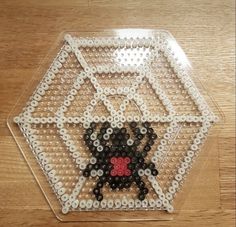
<point>117,159</point>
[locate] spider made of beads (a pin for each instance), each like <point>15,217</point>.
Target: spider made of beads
<point>117,159</point>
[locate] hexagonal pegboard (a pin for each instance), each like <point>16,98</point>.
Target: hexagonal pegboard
<point>114,124</point>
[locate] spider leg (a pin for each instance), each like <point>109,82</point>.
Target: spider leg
<point>142,188</point>
<point>97,144</point>
<point>87,137</point>
<point>153,171</point>
<point>97,191</point>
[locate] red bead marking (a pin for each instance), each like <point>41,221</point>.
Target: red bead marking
<point>127,172</point>
<point>120,159</point>
<point>120,173</point>
<point>113,173</point>
<point>127,160</point>
<point>120,166</point>
<point>113,160</point>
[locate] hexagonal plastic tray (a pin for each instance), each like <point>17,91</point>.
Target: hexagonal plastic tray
<point>113,125</point>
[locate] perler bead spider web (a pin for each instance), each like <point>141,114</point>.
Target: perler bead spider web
<point>115,123</point>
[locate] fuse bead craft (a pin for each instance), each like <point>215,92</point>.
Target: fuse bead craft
<point>116,123</point>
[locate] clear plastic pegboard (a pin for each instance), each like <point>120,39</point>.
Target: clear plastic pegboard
<point>111,124</point>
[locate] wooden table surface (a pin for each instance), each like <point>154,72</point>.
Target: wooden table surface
<point>204,29</point>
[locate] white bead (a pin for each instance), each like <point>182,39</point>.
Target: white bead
<point>82,204</point>
<point>72,197</point>
<point>52,173</point>
<point>95,204</point>
<point>129,118</point>
<point>169,196</point>
<point>68,48</point>
<point>119,125</point>
<point>170,209</point>
<point>138,203</point>
<point>158,203</point>
<point>106,136</point>
<point>178,177</point>
<point>172,190</point>
<point>100,172</point>
<point>113,124</point>
<point>93,160</point>
<point>58,185</point>
<point>194,147</point>
<point>117,203</point>
<point>89,203</point>
<point>163,142</point>
<point>109,131</point>
<point>154,159</point>
<point>152,203</point>
<point>61,191</point>
<point>167,136</point>
<point>140,172</point>
<point>124,202</point>
<point>79,160</point>
<point>110,203</point>
<point>184,165</point>
<point>103,119</point>
<point>151,178</point>
<point>181,171</point>
<point>143,130</point>
<point>93,173</point>
<point>175,184</point>
<point>147,172</point>
<point>130,142</point>
<point>65,210</point>
<point>190,153</point>
<point>144,203</point>
<point>93,136</point>
<point>75,204</point>
<point>136,118</point>
<point>187,159</point>
<point>99,148</point>
<point>103,203</point>
<point>82,166</point>
<point>131,203</point>
<point>64,197</point>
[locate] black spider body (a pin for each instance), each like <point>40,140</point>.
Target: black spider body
<point>119,157</point>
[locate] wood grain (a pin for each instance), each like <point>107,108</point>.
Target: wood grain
<point>206,31</point>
